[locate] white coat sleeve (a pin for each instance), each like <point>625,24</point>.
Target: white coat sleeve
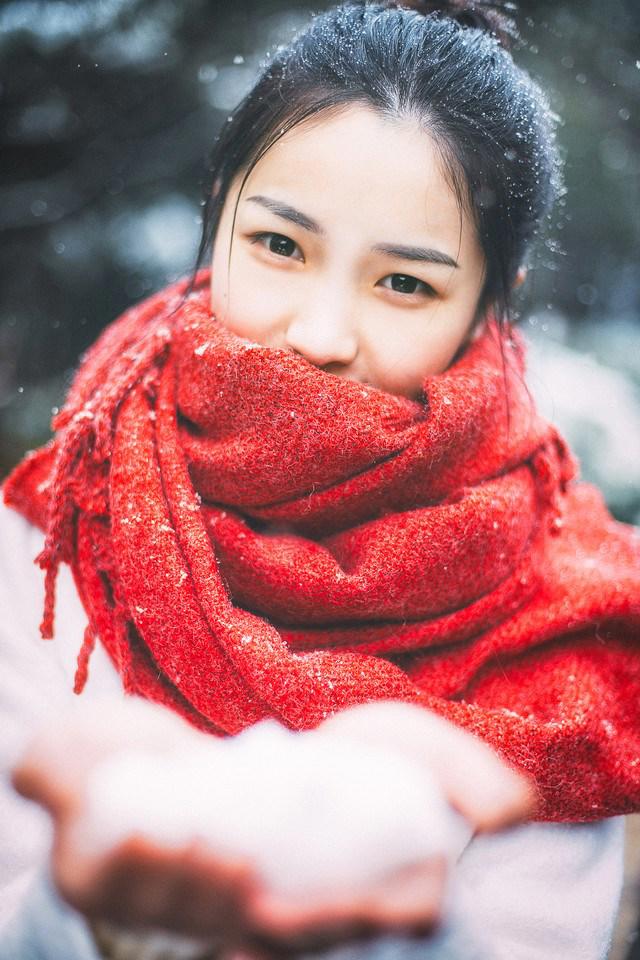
<point>534,892</point>
<point>36,682</point>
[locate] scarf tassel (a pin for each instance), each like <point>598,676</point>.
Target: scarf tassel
<point>554,466</point>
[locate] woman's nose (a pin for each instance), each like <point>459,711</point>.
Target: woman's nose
<point>323,336</point>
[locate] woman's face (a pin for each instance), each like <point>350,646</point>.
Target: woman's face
<point>349,248</point>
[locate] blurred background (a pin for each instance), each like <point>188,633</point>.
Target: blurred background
<point>108,109</point>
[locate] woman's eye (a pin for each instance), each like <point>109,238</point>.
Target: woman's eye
<point>402,283</point>
<point>277,243</point>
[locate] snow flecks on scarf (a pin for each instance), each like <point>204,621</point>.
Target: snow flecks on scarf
<point>253,537</point>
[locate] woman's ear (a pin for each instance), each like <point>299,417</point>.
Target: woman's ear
<point>521,276</point>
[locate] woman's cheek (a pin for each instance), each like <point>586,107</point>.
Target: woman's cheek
<point>393,374</point>
<point>254,314</point>
<point>399,354</point>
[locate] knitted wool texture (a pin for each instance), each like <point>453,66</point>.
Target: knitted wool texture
<point>251,537</point>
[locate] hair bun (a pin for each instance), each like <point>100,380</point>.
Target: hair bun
<point>494,17</point>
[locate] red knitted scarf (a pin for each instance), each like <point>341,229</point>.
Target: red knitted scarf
<point>253,537</point>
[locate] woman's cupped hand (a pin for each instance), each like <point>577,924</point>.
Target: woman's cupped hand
<point>269,842</point>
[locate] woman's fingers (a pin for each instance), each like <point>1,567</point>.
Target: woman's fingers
<point>481,786</point>
<point>54,769</point>
<point>405,899</point>
<point>53,777</point>
<point>487,792</point>
<point>190,891</point>
<point>140,883</point>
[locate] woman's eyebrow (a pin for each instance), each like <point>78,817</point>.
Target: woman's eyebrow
<point>288,213</point>
<point>416,254</point>
<point>400,251</point>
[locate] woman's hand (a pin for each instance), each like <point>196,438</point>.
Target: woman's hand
<point>490,794</point>
<point>192,889</point>
<point>134,882</point>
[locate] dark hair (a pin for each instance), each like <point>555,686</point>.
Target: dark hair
<point>447,64</point>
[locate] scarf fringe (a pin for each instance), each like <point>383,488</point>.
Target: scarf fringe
<point>554,467</point>
<point>121,358</point>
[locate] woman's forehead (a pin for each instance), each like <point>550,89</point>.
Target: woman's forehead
<point>361,169</point>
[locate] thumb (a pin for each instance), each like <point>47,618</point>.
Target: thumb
<point>489,793</point>
<point>481,786</point>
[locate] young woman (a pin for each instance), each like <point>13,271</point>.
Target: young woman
<point>312,482</point>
